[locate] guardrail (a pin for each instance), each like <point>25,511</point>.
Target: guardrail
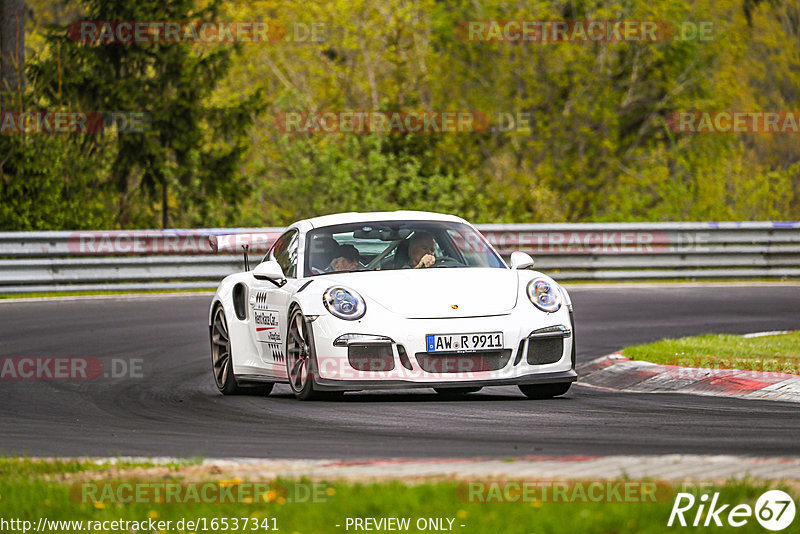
<point>175,259</point>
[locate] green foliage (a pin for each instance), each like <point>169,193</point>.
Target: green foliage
<point>596,146</point>
<point>313,177</point>
<point>52,182</point>
<point>190,147</point>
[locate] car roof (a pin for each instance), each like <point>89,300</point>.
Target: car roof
<point>375,216</point>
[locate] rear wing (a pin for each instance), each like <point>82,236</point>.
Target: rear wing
<point>245,242</point>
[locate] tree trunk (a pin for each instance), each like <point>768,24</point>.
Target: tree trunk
<point>12,47</point>
<point>164,205</point>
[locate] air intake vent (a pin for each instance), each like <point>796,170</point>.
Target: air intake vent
<point>545,350</point>
<point>371,357</point>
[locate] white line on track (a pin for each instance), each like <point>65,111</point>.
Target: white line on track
<point>770,333</point>
<point>121,296</point>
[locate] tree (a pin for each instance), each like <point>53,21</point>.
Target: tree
<point>191,148</point>
<point>12,45</point>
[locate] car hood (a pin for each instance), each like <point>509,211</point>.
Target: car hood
<point>437,293</point>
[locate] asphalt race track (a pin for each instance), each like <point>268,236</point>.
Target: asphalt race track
<point>174,409</point>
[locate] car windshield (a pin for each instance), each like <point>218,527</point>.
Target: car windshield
<point>389,245</point>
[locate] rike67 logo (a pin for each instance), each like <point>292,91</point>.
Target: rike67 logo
<point>774,510</point>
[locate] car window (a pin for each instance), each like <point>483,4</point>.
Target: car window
<point>284,251</point>
<point>385,245</point>
<point>469,248</point>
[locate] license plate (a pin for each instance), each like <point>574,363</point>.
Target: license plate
<point>463,342</point>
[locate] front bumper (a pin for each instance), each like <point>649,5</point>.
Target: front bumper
<point>536,378</point>
<point>410,361</point>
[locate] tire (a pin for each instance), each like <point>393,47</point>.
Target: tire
<point>222,361</point>
<point>301,360</point>
<point>456,392</point>
<point>544,391</point>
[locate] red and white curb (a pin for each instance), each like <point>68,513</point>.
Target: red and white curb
<point>619,373</point>
<point>663,467</point>
<point>668,467</point>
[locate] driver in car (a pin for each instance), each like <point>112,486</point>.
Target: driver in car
<point>421,247</point>
<point>347,258</point>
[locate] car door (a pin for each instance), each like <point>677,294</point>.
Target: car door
<point>269,305</point>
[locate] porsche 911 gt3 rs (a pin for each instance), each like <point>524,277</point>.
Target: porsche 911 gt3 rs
<point>392,300</point>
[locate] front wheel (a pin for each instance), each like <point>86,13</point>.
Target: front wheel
<point>301,360</point>
<point>544,391</point>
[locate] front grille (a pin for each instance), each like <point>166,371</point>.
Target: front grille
<point>371,357</point>
<point>471,362</point>
<point>545,350</point>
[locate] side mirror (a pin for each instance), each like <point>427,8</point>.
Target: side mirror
<point>521,260</point>
<point>270,270</point>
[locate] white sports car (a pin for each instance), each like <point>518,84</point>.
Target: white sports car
<point>391,300</point>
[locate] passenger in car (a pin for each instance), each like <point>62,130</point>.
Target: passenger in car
<point>347,259</point>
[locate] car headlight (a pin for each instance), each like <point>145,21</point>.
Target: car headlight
<point>344,303</point>
<point>544,295</point>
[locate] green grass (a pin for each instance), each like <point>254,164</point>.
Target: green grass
<point>14,468</point>
<point>779,353</point>
<point>28,491</point>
